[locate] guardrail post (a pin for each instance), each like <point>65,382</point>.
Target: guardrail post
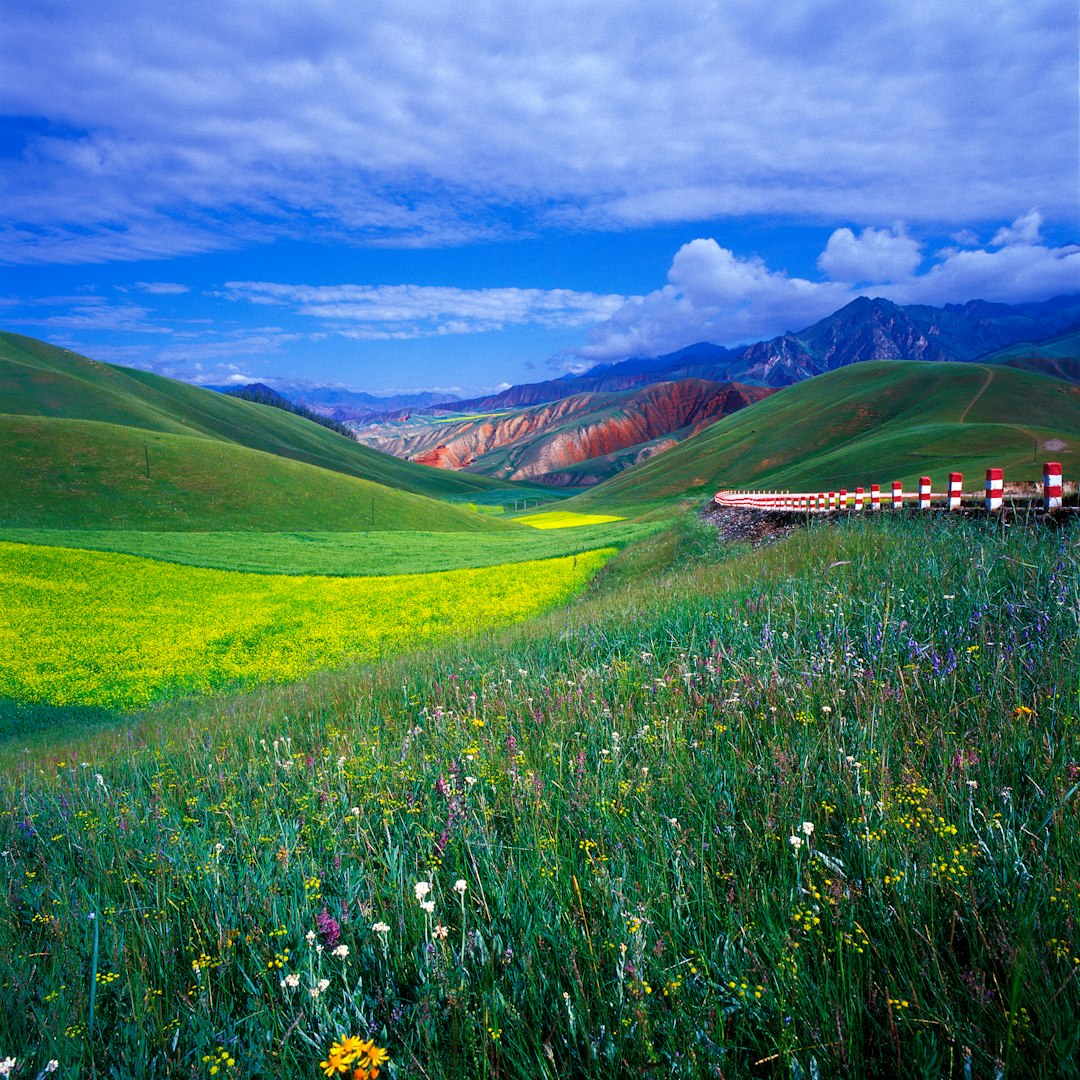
<point>995,486</point>
<point>875,497</point>
<point>956,482</point>
<point>1052,485</point>
<point>924,492</point>
<point>843,499</point>
<point>858,499</point>
<point>897,495</point>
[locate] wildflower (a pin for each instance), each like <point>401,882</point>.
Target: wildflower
<point>796,842</point>
<point>51,1067</point>
<point>290,982</point>
<point>7,1065</point>
<point>807,827</point>
<point>353,1054</point>
<point>440,932</point>
<point>341,952</point>
<point>327,927</point>
<point>428,906</point>
<point>421,888</point>
<point>320,987</point>
<point>460,886</point>
<point>381,928</point>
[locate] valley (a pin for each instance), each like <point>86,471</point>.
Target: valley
<point>409,746</point>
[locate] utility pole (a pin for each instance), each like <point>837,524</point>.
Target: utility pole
<point>146,451</point>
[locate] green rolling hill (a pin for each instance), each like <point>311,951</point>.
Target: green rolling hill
<point>875,421</point>
<point>77,438</point>
<point>37,379</point>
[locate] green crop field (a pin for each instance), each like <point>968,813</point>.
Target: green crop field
<point>872,422</point>
<point>810,810</point>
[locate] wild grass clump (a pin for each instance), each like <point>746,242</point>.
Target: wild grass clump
<point>806,811</point>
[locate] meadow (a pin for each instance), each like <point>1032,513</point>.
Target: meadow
<point>345,553</point>
<point>804,811</point>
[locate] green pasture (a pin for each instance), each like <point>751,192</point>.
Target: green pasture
<point>341,553</point>
<point>88,474</point>
<point>37,379</point>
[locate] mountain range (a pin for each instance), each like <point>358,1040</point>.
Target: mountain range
<point>581,429</point>
<point>865,329</point>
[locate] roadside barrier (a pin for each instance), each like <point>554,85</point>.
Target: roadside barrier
<point>1052,486</point>
<point>993,499</point>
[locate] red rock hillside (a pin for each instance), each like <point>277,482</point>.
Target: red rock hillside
<point>549,443</point>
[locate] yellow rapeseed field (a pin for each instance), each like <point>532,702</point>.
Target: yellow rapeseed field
<point>97,628</point>
<point>564,519</point>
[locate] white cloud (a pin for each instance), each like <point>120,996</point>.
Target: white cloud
<point>713,294</point>
<point>874,255</point>
<point>156,129</point>
<point>1024,230</point>
<point>162,288</point>
<point>403,312</point>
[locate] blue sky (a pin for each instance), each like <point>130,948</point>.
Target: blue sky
<point>397,195</point>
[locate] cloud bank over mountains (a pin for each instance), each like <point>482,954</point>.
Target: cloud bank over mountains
<point>714,295</point>
<point>138,131</point>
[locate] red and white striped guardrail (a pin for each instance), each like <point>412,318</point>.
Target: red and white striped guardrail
<point>821,502</point>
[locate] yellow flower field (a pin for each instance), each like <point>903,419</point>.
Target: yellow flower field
<point>97,628</point>
<point>564,519</point>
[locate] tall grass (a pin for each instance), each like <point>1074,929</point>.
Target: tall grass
<point>805,811</point>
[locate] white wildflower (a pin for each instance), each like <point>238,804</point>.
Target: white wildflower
<point>428,905</point>
<point>341,952</point>
<point>460,886</point>
<point>381,928</point>
<point>421,888</point>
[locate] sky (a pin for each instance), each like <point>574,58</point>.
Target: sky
<point>458,196</point>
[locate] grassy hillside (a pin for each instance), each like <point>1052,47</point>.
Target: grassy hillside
<point>37,379</point>
<point>739,816</point>
<point>89,474</point>
<point>870,422</point>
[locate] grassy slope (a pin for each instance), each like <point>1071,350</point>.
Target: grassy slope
<point>339,553</point>
<point>37,379</point>
<point>617,786</point>
<point>87,474</point>
<point>871,422</point>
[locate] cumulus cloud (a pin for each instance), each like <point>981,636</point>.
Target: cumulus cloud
<point>403,312</point>
<point>874,255</point>
<point>713,294</point>
<point>147,130</point>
